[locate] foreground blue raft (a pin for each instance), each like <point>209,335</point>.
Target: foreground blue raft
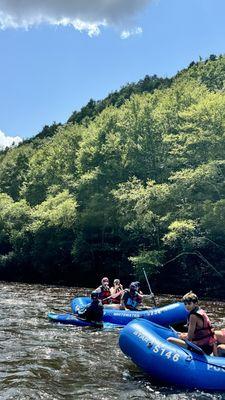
<point>167,315</point>
<point>71,319</point>
<point>145,343</point>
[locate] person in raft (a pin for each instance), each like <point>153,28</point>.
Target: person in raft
<point>220,337</point>
<point>93,312</point>
<point>131,299</point>
<point>137,283</point>
<point>116,291</point>
<point>103,291</point>
<point>199,327</point>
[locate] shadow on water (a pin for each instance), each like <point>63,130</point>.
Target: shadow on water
<point>40,360</point>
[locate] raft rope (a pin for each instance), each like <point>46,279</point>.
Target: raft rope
<point>190,356</point>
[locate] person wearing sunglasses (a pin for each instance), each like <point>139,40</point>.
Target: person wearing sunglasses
<point>138,285</point>
<point>116,291</point>
<point>103,291</point>
<point>199,327</point>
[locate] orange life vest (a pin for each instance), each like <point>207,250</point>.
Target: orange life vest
<point>205,335</point>
<point>104,293</point>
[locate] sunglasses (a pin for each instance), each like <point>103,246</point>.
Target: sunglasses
<point>187,302</point>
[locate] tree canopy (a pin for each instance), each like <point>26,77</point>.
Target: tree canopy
<point>135,180</point>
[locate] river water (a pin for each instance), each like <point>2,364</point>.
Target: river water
<point>41,360</point>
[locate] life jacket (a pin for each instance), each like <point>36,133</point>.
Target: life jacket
<point>131,301</point>
<point>117,299</point>
<point>103,294</point>
<point>205,335</point>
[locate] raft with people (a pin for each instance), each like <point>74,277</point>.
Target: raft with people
<point>103,307</point>
<point>129,306</point>
<point>147,345</point>
<point>167,315</point>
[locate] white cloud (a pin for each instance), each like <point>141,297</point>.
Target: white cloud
<point>127,33</point>
<point>83,15</point>
<point>7,141</point>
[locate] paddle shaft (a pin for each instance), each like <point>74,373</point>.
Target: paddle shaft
<point>63,310</point>
<point>150,290</point>
<point>113,296</point>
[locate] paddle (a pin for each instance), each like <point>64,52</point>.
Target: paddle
<point>190,345</point>
<point>69,311</point>
<point>63,311</point>
<point>95,324</point>
<point>174,331</point>
<point>150,290</point>
<point>114,296</point>
<point>193,347</point>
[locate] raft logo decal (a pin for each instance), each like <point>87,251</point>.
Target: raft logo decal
<point>127,315</point>
<point>136,314</point>
<point>215,368</point>
<point>141,336</point>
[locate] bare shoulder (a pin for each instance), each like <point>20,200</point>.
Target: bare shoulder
<point>193,318</point>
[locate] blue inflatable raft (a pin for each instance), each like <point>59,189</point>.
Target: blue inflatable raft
<point>167,315</point>
<point>145,343</point>
<point>71,319</point>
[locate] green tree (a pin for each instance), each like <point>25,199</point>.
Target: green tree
<point>53,166</point>
<point>13,169</point>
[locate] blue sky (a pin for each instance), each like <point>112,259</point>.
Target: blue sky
<point>54,59</point>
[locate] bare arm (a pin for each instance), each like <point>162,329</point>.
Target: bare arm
<point>191,327</point>
<point>122,304</point>
<point>112,290</point>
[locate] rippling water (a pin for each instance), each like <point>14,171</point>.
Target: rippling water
<point>41,360</point>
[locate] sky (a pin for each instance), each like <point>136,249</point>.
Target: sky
<point>56,55</point>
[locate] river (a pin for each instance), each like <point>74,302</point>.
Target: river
<point>41,360</point>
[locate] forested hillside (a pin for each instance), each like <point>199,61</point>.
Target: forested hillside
<point>137,180</point>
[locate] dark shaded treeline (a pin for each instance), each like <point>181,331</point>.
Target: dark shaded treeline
<point>134,181</point>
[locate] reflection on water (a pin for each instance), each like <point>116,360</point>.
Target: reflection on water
<point>40,360</point>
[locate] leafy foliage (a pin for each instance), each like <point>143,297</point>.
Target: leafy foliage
<point>134,181</point>
<point>116,99</point>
